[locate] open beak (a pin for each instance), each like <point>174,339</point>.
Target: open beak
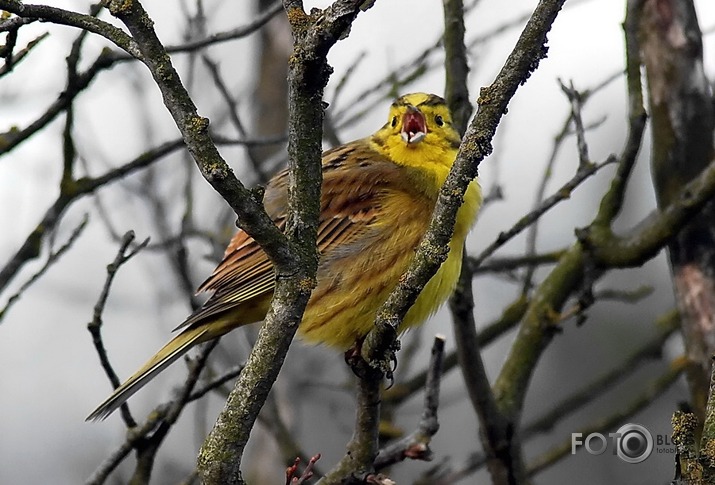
<point>414,127</point>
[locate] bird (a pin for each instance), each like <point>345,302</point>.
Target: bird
<point>377,198</point>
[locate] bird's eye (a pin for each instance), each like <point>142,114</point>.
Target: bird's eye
<point>394,121</point>
<point>438,119</point>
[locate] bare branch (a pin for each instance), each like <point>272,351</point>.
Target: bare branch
<point>648,237</point>
<point>51,259</point>
<point>69,192</point>
<point>612,202</point>
<point>455,65</point>
<point>563,193</point>
<point>11,139</point>
<point>654,389</point>
<point>95,326</point>
<point>11,60</point>
<point>576,100</point>
<point>527,53</point>
<point>416,445</point>
<point>220,456</point>
<point>73,19</point>
<point>357,464</point>
<point>558,142</point>
<point>14,23</point>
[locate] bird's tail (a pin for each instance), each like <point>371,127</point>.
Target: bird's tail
<point>176,347</point>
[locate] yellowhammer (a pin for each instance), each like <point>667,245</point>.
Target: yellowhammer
<point>378,194</point>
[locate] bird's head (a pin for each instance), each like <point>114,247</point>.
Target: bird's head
<point>419,125</point>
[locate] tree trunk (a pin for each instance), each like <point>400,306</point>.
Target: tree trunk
<point>682,116</point>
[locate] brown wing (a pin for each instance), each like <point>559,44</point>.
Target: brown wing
<point>354,181</point>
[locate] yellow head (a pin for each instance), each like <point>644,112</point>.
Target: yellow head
<point>418,132</point>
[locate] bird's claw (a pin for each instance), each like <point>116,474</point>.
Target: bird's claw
<point>390,365</point>
<point>362,367</point>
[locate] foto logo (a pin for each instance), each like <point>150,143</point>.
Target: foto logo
<point>632,443</point>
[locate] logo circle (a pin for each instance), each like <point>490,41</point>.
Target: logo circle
<point>635,443</point>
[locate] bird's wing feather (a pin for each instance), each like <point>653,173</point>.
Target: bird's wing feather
<point>177,347</point>
<point>354,177</point>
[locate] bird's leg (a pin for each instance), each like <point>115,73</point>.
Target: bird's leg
<point>353,357</point>
<point>360,367</point>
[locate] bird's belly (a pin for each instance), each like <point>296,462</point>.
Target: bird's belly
<point>343,307</point>
<point>437,290</point>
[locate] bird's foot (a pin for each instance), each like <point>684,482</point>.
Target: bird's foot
<point>364,366</point>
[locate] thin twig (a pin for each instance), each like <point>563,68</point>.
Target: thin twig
<point>13,60</point>
<point>576,100</point>
<point>612,201</point>
<point>100,475</point>
<point>234,117</point>
<point>455,65</point>
<point>653,390</point>
<point>510,263</point>
<point>95,326</point>
<point>558,142</point>
<point>236,33</point>
<point>626,296</point>
<point>51,259</point>
<point>667,324</point>
<point>217,382</point>
<point>416,445</point>
<point>563,193</point>
<point>508,320</point>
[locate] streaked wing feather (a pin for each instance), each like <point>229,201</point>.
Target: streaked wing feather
<point>352,179</point>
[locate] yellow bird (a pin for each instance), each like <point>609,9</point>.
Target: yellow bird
<point>377,198</point>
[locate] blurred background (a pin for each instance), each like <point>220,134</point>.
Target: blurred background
<point>50,377</point>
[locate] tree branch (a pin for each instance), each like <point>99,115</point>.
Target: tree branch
<point>220,456</point>
<point>95,326</point>
<point>432,251</point>
<point>666,325</point>
<point>70,191</point>
<point>538,325</point>
<point>416,445</point>
<point>654,389</point>
<point>683,122</point>
<point>51,259</point>
<point>73,19</point>
<point>358,463</point>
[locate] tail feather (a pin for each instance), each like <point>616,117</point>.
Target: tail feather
<point>176,347</point>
